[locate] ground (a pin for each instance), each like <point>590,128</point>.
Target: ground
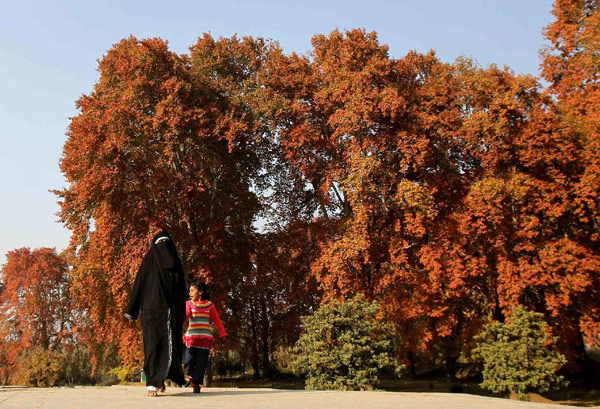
<point>129,397</point>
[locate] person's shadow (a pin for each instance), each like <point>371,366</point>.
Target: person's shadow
<point>229,392</point>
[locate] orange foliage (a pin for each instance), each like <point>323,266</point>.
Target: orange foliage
<point>35,304</point>
<point>448,188</point>
<point>162,140</point>
<point>449,193</point>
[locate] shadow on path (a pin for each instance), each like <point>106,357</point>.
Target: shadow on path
<point>227,393</point>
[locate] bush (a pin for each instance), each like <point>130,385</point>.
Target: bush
<point>518,356</point>
<point>227,363</point>
<point>124,373</point>
<point>344,347</point>
<point>283,360</point>
<point>39,367</point>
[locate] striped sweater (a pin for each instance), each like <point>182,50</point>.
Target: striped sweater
<point>199,333</point>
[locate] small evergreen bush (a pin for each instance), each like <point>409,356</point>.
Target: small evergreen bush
<point>518,356</point>
<point>344,347</point>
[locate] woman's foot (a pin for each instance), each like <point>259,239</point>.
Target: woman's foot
<point>152,391</point>
<point>188,382</point>
<point>162,389</point>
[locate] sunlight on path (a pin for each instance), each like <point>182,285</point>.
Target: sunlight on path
<point>125,397</point>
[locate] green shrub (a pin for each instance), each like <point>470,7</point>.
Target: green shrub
<point>227,363</point>
<point>39,367</point>
<point>283,359</point>
<point>344,347</point>
<point>124,373</point>
<point>518,357</point>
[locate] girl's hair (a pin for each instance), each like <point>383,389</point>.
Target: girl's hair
<point>201,286</point>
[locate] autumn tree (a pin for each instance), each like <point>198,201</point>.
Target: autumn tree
<point>285,288</point>
<point>444,186</point>
<point>449,193</point>
<point>571,67</point>
<point>529,219</point>
<point>391,169</point>
<point>36,307</point>
<point>163,140</point>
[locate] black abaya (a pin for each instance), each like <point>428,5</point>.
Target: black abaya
<point>160,292</point>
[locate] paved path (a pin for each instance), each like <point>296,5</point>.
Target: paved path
<point>126,397</point>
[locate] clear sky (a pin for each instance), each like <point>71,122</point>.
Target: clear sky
<point>49,51</point>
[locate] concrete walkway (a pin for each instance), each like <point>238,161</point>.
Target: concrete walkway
<point>126,397</point>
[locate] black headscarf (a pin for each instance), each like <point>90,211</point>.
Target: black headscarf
<point>165,254</point>
<point>160,282</point>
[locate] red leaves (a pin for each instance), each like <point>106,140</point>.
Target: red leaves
<point>452,184</point>
<point>449,192</point>
<point>35,303</point>
<point>162,140</point>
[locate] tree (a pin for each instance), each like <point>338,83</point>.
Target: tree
<point>344,347</point>
<point>36,308</point>
<point>448,192</point>
<point>39,367</point>
<point>162,140</point>
<point>518,356</point>
<point>389,148</point>
<point>571,67</point>
<point>285,288</point>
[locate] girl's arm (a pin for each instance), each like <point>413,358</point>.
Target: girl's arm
<point>214,317</point>
<point>188,311</point>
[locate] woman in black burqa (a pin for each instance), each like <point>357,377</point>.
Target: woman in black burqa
<point>160,291</point>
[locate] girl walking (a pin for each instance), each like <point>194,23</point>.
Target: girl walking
<point>198,339</point>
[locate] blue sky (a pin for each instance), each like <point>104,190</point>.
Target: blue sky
<point>49,52</point>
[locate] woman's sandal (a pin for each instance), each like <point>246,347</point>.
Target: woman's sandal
<point>153,394</point>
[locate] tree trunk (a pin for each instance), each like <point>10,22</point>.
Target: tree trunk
<point>497,312</point>
<point>255,361</point>
<point>411,364</point>
<point>265,338</point>
<point>451,362</point>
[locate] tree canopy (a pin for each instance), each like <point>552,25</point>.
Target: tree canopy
<point>449,193</point>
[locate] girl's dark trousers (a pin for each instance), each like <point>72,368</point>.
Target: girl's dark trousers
<point>195,361</point>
